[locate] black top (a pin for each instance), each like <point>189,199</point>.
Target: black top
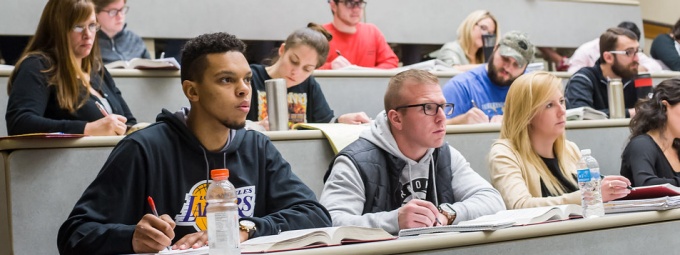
<point>588,87</point>
<point>644,163</point>
<point>663,48</point>
<point>554,167</point>
<point>32,106</point>
<point>306,102</point>
<point>167,162</point>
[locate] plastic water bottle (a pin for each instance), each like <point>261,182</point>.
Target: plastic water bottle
<point>589,184</point>
<point>222,214</point>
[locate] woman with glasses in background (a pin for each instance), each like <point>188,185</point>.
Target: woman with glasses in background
<point>533,164</point>
<point>116,42</point>
<point>467,51</point>
<point>60,83</point>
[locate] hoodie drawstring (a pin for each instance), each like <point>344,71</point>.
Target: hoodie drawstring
<point>207,166</point>
<point>434,181</point>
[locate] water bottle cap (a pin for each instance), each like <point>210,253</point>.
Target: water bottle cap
<point>219,173</point>
<point>585,152</point>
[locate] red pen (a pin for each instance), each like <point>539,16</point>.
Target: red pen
<point>152,205</point>
<point>155,212</point>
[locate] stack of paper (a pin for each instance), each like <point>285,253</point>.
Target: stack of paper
<point>637,205</point>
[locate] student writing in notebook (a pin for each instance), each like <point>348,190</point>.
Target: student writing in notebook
<point>533,164</point>
<point>479,94</point>
<point>652,156</point>
<point>400,173</point>
<point>303,51</point>
<point>60,78</point>
<point>171,159</point>
<point>360,44</point>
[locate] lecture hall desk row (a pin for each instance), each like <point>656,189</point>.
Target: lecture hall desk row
<point>147,92</point>
<point>39,194</point>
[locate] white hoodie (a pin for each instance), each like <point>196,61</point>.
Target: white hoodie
<point>344,194</point>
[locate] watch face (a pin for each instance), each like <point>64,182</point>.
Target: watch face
<point>247,224</point>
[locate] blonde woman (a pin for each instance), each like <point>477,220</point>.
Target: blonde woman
<point>533,164</point>
<point>466,52</point>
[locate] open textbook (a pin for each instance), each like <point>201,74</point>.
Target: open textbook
<point>144,64</point>
<point>527,216</point>
<point>506,218</point>
<point>316,237</point>
<point>585,113</point>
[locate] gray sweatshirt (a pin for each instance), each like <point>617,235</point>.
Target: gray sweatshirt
<point>343,193</point>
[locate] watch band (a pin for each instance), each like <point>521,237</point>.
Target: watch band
<point>449,212</point>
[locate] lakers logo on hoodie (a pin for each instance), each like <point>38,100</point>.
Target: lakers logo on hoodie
<point>193,211</point>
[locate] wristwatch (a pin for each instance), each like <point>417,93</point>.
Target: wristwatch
<point>247,226</point>
<point>448,211</point>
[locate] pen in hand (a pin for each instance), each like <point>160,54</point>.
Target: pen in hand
<point>101,108</point>
<point>152,205</point>
<point>155,212</point>
<point>338,52</point>
<point>473,103</point>
<point>437,222</point>
<point>627,187</point>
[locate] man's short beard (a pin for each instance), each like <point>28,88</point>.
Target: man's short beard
<point>493,74</point>
<point>622,71</point>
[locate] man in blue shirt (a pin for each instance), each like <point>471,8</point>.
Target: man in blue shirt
<point>478,95</point>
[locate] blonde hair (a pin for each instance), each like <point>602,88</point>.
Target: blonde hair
<point>51,41</point>
<point>465,33</point>
<point>526,97</point>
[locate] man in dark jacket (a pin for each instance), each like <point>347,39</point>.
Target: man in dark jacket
<point>618,59</point>
<point>171,159</point>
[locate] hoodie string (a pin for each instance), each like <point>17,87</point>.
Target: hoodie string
<point>434,181</point>
<point>207,166</point>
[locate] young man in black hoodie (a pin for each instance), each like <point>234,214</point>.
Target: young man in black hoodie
<point>171,159</point>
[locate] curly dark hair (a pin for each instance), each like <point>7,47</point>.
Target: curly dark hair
<point>650,114</point>
<point>195,50</point>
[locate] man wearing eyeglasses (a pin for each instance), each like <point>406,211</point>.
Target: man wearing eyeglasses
<point>115,40</point>
<point>354,42</point>
<point>618,59</point>
<point>400,173</point>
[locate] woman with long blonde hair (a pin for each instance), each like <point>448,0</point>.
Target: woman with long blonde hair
<point>466,52</point>
<point>533,164</point>
<point>60,83</point>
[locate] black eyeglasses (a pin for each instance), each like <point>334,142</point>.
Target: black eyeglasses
<point>353,4</point>
<point>431,108</point>
<point>92,27</point>
<point>114,12</point>
<point>627,52</point>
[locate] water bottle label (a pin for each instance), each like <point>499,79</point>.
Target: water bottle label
<point>595,175</point>
<point>583,175</point>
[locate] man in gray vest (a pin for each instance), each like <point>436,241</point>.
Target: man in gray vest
<point>400,173</point>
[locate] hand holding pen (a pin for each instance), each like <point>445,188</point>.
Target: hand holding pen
<point>110,124</point>
<point>340,61</point>
<point>418,213</point>
<point>475,115</point>
<point>153,233</point>
<point>614,187</point>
